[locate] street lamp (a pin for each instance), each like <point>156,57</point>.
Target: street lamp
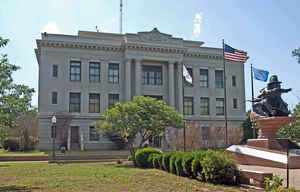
<point>53,135</point>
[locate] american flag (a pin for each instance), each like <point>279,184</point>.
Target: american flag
<point>232,54</point>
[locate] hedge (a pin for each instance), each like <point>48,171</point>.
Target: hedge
<point>141,157</point>
<point>187,163</point>
<point>218,168</point>
<point>166,161</point>
<point>196,165</point>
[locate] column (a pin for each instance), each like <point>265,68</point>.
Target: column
<point>128,80</point>
<point>171,84</point>
<point>104,84</point>
<point>180,81</point>
<point>138,74</point>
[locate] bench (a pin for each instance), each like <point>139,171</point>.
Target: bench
<point>255,178</point>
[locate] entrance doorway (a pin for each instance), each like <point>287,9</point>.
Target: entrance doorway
<point>75,145</point>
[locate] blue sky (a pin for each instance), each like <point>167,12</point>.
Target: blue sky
<point>267,30</point>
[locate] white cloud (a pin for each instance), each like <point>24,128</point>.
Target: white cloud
<point>51,27</point>
<point>197,24</point>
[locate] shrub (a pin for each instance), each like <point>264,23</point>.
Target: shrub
<point>11,144</point>
<point>172,166</point>
<point>159,159</point>
<point>155,160</point>
<point>196,165</point>
<point>187,163</point>
<point>275,185</point>
<point>141,156</point>
<point>166,160</point>
<point>218,168</point>
<point>178,164</point>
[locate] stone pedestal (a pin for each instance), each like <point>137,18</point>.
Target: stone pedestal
<point>267,150</point>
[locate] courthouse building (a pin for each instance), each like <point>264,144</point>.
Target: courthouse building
<point>80,76</point>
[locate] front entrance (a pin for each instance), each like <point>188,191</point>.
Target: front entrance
<point>75,145</point>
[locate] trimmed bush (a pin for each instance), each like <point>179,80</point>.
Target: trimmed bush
<point>166,160</point>
<point>141,157</point>
<point>155,160</point>
<point>172,166</point>
<point>11,144</point>
<point>218,168</point>
<point>187,163</point>
<point>159,158</point>
<point>178,164</point>
<point>196,165</point>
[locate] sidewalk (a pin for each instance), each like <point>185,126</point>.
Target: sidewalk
<point>294,174</point>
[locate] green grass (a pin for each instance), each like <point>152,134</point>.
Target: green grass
<point>70,153</point>
<point>18,153</point>
<point>95,177</point>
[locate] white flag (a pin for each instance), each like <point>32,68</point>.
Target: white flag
<point>186,75</point>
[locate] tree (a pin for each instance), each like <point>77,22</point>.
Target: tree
<point>247,128</point>
<point>292,130</point>
<point>141,118</point>
<point>296,53</point>
<point>14,98</point>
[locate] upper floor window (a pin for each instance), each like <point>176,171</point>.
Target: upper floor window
<point>152,75</point>
<point>235,105</point>
<point>94,103</point>
<point>220,106</point>
<point>94,71</point>
<point>74,105</point>
<point>203,77</point>
<point>54,97</point>
<point>112,100</point>
<point>219,78</point>
<point>54,71</point>
<point>75,71</point>
<point>204,106</point>
<point>233,81</point>
<point>188,106</point>
<point>190,70</point>
<point>158,97</point>
<point>113,73</point>
<point>94,135</point>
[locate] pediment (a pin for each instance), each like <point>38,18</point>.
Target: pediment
<point>154,36</point>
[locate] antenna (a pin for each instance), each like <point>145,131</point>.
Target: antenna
<point>121,6</point>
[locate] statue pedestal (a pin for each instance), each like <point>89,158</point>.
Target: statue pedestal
<point>266,150</point>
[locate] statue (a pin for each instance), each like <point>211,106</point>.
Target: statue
<point>269,102</point>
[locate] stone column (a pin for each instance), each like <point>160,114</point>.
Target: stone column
<point>180,81</point>
<point>171,84</point>
<point>138,74</point>
<point>128,80</point>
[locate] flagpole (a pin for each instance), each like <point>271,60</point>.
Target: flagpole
<point>225,97</point>
<point>252,97</point>
<point>183,107</point>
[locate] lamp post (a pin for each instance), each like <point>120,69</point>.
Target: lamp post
<point>53,135</point>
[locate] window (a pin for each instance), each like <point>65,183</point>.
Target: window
<point>75,71</point>
<point>94,72</point>
<point>94,135</point>
<point>204,106</point>
<point>54,71</point>
<point>219,78</point>
<point>113,73</point>
<point>74,102</point>
<point>219,106</point>
<point>233,81</point>
<point>94,103</point>
<point>205,132</point>
<point>190,70</point>
<point>54,98</point>
<point>235,103</point>
<point>188,108</point>
<point>152,75</point>
<point>112,100</point>
<point>158,97</point>
<point>203,77</point>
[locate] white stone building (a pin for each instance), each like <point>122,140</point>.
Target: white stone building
<point>80,76</point>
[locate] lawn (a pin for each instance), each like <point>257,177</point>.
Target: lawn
<point>108,177</point>
<point>70,153</point>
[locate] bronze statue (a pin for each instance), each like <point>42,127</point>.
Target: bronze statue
<point>269,102</point>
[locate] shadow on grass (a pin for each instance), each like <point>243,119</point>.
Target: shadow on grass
<point>5,165</point>
<point>17,188</point>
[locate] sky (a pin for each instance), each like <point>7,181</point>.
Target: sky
<point>266,30</point>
